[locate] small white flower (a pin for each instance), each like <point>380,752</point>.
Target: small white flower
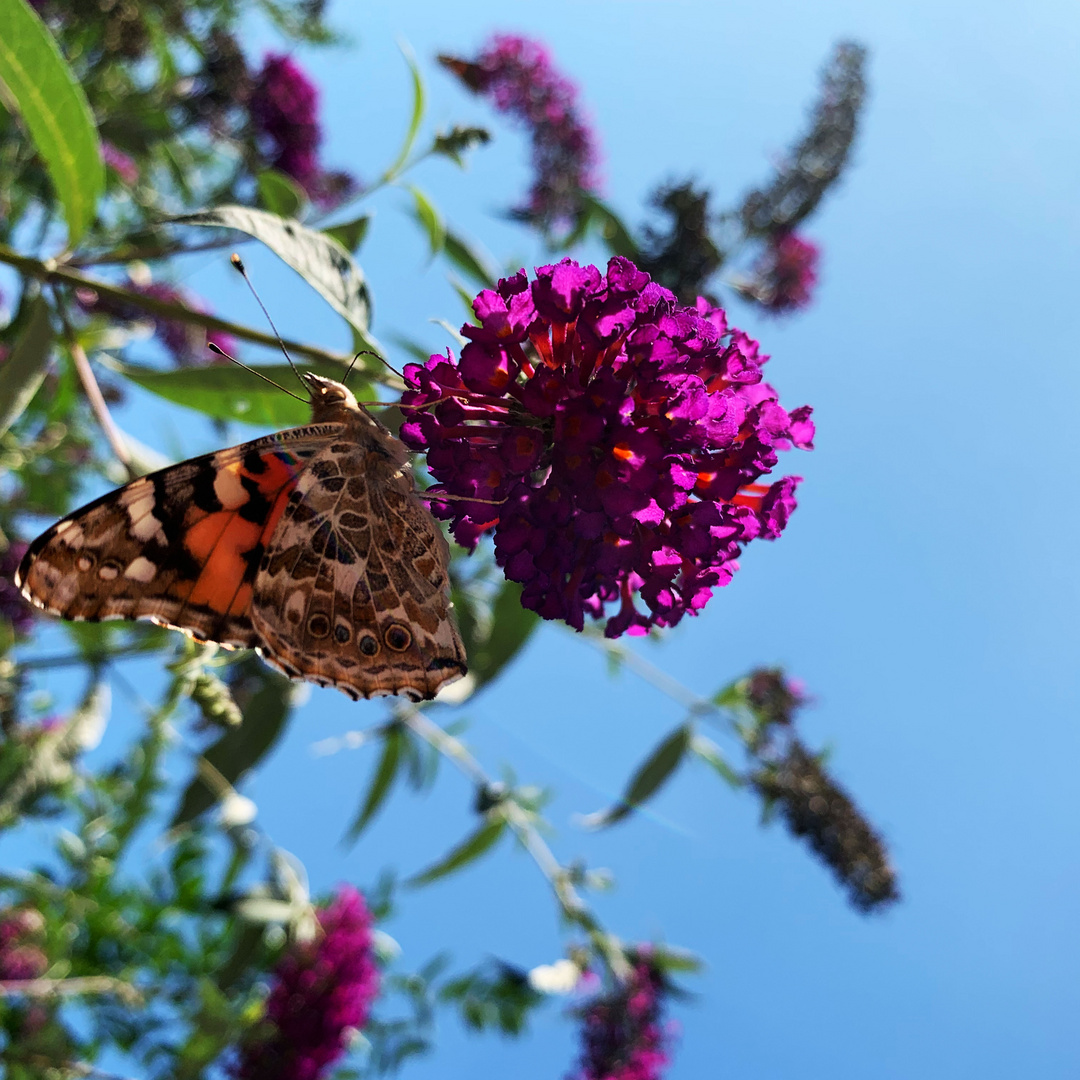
<point>558,978</point>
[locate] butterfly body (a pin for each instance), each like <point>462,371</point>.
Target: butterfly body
<point>310,545</point>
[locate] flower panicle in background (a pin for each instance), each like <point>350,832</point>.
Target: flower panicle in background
<point>817,160</point>
<point>13,607</point>
<point>321,994</point>
<point>21,957</point>
<point>620,436</point>
<point>185,342</point>
<point>817,809</point>
<point>783,278</point>
<point>517,75</point>
<point>284,105</point>
<point>623,1033</point>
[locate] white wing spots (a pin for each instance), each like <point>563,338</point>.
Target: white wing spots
<point>141,569</point>
<point>71,534</point>
<point>84,563</point>
<point>295,606</point>
<point>139,503</point>
<point>229,490</point>
<point>108,572</point>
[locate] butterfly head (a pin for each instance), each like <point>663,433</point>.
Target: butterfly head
<point>329,400</point>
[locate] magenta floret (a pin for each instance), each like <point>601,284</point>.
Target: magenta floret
<point>610,439</point>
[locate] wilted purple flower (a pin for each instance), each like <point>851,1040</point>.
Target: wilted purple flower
<point>622,1033</point>
<point>20,958</point>
<point>784,276</point>
<point>122,164</point>
<point>322,992</point>
<point>774,696</point>
<point>516,73</point>
<point>185,342</point>
<point>12,605</point>
<point>618,435</point>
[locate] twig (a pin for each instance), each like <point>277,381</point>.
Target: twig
<point>86,984</point>
<point>51,272</point>
<point>93,393</point>
<point>570,900</point>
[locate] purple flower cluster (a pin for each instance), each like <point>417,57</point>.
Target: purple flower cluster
<point>611,440</point>
<point>20,958</point>
<point>517,75</point>
<point>12,605</point>
<point>786,273</point>
<point>285,110</point>
<point>322,992</point>
<point>185,342</point>
<point>622,1033</point>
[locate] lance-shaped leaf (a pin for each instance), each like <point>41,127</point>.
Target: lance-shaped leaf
<point>511,627</point>
<point>415,118</point>
<point>231,393</point>
<point>710,753</point>
<point>469,260</point>
<point>381,783</point>
<point>429,218</point>
<point>40,86</point>
<point>280,194</point>
<point>350,234</point>
<point>318,258</point>
<point>652,773</point>
<point>610,227</point>
<point>469,850</point>
<point>23,371</point>
<point>265,712</point>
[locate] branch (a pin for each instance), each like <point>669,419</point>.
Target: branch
<point>50,271</point>
<point>87,984</point>
<point>570,900</point>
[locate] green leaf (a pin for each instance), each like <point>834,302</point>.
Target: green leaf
<point>264,697</point>
<point>651,774</point>
<point>610,227</point>
<point>21,374</point>
<point>280,194</point>
<point>385,772</point>
<point>318,258</point>
<point>430,218</point>
<point>458,141</point>
<point>351,234</point>
<point>228,392</point>
<point>511,626</point>
<point>414,120</point>
<point>471,262</point>
<point>469,850</point>
<point>41,87</point>
<point>710,753</point>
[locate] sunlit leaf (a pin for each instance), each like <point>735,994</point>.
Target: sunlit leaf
<point>280,194</point>
<point>318,258</point>
<point>469,260</point>
<point>511,626</point>
<point>415,118</point>
<point>710,753</point>
<point>351,234</point>
<point>469,850</point>
<point>651,774</point>
<point>42,89</point>
<point>21,374</point>
<point>385,772</point>
<point>231,393</point>
<point>429,218</point>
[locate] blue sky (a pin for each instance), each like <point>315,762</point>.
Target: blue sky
<point>926,589</point>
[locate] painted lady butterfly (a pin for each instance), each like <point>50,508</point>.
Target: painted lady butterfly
<point>310,545</point>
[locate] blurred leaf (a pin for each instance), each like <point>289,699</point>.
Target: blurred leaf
<point>652,773</point>
<point>609,226</point>
<point>280,194</point>
<point>431,220</point>
<point>732,696</point>
<point>351,234</point>
<point>469,260</point>
<point>264,909</point>
<point>23,371</point>
<point>469,850</point>
<point>417,351</point>
<point>670,958</point>
<point>318,258</point>
<point>710,753</point>
<point>416,117</point>
<point>266,709</point>
<point>458,141</point>
<point>228,392</point>
<point>42,88</point>
<point>385,772</point>
<point>511,626</point>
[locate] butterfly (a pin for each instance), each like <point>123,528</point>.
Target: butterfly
<point>311,546</point>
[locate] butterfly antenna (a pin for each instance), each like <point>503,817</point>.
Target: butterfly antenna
<point>362,352</point>
<point>238,266</point>
<point>254,371</point>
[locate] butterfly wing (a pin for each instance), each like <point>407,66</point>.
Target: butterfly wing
<point>180,547</point>
<point>355,591</point>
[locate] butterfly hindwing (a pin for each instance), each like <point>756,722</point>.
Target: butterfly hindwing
<point>180,547</point>
<point>355,593</point>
